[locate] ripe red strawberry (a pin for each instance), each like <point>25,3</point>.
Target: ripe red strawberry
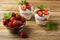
<point>23,34</point>
<point>23,19</point>
<point>17,16</point>
<point>5,21</point>
<point>10,24</point>
<point>15,24</point>
<point>45,19</point>
<point>23,7</point>
<point>28,7</point>
<point>45,12</point>
<point>39,13</point>
<point>28,4</point>
<point>19,22</point>
<point>12,18</point>
<point>13,14</point>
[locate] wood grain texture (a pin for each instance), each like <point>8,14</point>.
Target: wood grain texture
<point>16,1</point>
<point>35,32</point>
<point>13,5</point>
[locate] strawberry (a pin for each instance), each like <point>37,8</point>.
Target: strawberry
<point>23,7</point>
<point>27,4</point>
<point>13,14</point>
<point>15,24</point>
<point>10,24</point>
<point>45,19</point>
<point>19,22</point>
<point>23,35</point>
<point>39,13</point>
<point>17,16</point>
<point>12,18</point>
<point>23,19</point>
<point>5,21</point>
<point>6,25</point>
<point>45,12</point>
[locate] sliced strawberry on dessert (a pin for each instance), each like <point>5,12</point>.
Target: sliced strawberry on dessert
<point>28,6</point>
<point>45,12</point>
<point>39,13</point>
<point>23,7</point>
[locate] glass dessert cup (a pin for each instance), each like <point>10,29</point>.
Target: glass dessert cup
<point>41,20</point>
<point>17,29</point>
<point>25,9</point>
<point>26,13</point>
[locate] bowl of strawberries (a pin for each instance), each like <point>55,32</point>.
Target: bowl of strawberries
<point>14,22</point>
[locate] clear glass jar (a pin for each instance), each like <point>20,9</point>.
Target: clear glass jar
<point>27,14</point>
<point>17,29</point>
<point>41,20</point>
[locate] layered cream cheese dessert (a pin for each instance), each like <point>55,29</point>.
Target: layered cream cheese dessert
<point>41,15</point>
<point>25,9</point>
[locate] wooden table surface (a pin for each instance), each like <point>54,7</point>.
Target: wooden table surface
<point>34,31</point>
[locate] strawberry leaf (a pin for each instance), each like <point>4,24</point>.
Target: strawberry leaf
<point>38,6</point>
<point>7,15</point>
<point>41,7</point>
<point>22,2</point>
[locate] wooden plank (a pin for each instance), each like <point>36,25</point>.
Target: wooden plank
<point>8,7</point>
<point>9,1</point>
<point>31,1</point>
<point>43,0</point>
<point>15,7</point>
<point>16,1</point>
<point>53,5</point>
<point>34,31</point>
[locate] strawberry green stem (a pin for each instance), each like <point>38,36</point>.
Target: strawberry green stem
<point>22,2</point>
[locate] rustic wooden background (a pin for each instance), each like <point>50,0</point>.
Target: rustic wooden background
<point>13,4</point>
<point>34,31</point>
